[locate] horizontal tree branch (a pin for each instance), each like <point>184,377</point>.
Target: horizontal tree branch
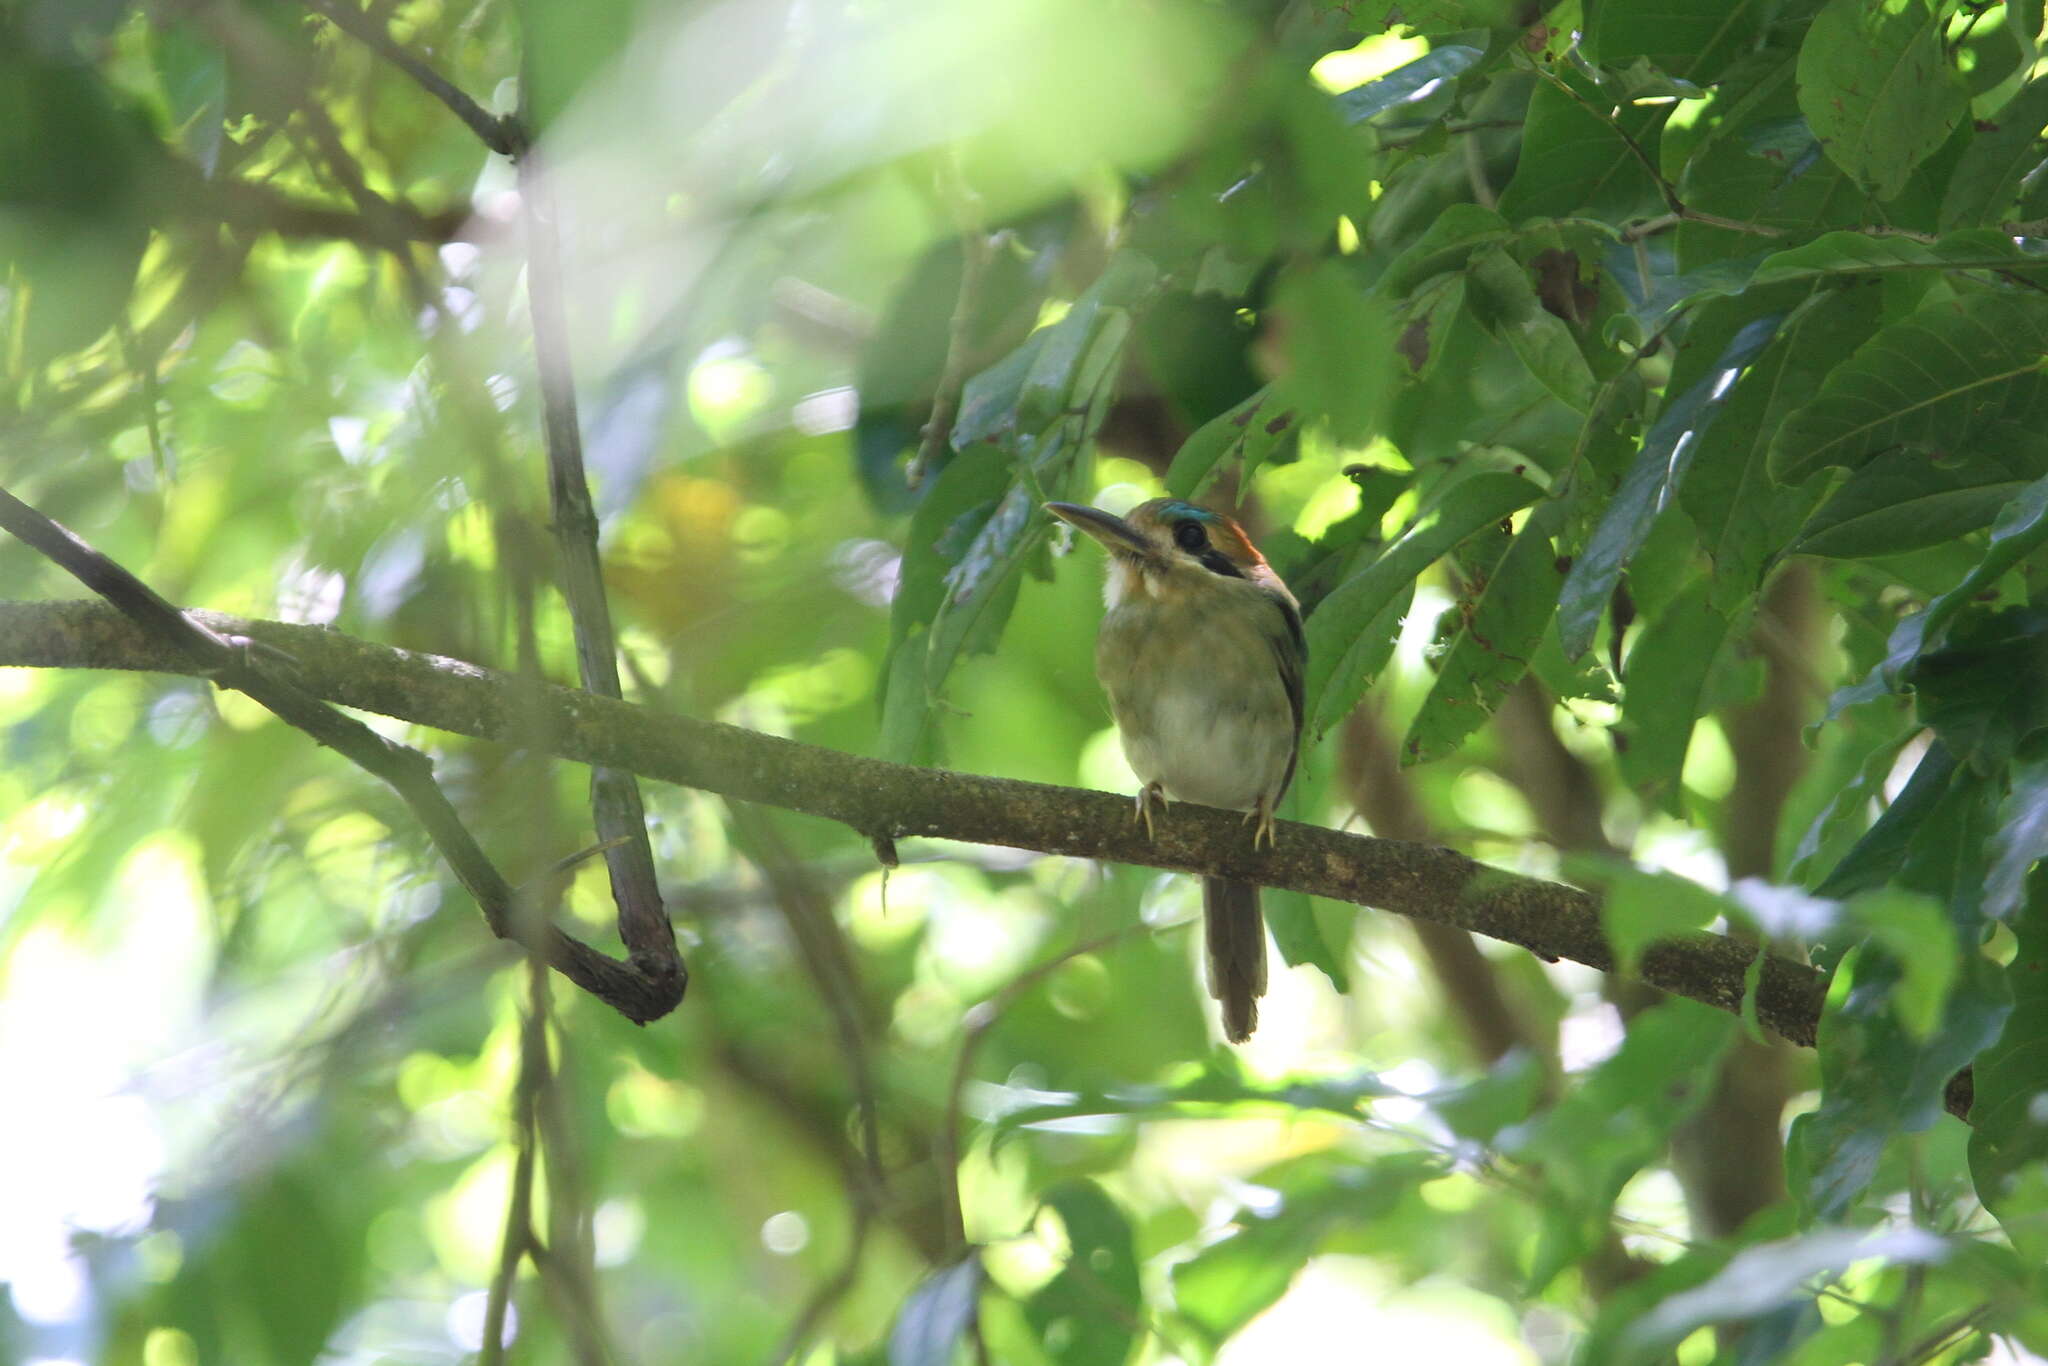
<point>886,801</point>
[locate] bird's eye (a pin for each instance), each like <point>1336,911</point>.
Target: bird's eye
<point>1189,535</point>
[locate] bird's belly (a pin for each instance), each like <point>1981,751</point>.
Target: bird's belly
<point>1210,721</point>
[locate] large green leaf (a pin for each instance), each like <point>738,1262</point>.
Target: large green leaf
<point>1909,498</point>
<point>1877,88</point>
<point>1694,40</point>
<point>1349,636</point>
<point>2022,837</point>
<point>1577,160</point>
<point>1938,379</point>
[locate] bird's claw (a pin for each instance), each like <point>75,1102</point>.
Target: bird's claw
<point>1149,795</point>
<point>1262,830</point>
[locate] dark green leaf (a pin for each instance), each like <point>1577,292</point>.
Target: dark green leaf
<point>1349,636</point>
<point>1692,39</point>
<point>1878,90</point>
<point>1938,379</point>
<point>1981,689</point>
<point>1909,498</point>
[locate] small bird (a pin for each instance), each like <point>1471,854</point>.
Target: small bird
<point>1201,653</point>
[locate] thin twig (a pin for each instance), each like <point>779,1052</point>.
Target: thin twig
<point>616,806</point>
<point>518,1241</point>
<point>503,135</point>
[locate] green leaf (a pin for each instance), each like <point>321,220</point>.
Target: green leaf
<point>2022,837</point>
<point>1339,346</point>
<point>1301,933</point>
<point>1905,499</point>
<point>1940,379</point>
<point>1505,302</point>
<point>934,1320</point>
<point>1695,40</point>
<point>1087,1313</point>
<point>1653,480</point>
<point>1250,431</point>
<point>1877,88</point>
<point>1494,645</point>
<point>2008,1121</point>
<point>1836,254</point>
<point>1986,183</point>
<point>1406,83</point>
<point>1349,635</point>
<point>1981,690</point>
<point>1577,161</point>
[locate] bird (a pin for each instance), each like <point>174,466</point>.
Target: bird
<point>1201,654</point>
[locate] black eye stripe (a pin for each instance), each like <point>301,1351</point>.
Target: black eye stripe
<point>1216,562</point>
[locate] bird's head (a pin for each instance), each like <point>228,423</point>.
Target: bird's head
<point>1168,546</point>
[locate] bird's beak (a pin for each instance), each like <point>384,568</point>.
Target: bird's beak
<point>1114,532</point>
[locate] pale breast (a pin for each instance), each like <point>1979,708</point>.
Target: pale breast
<point>1210,720</point>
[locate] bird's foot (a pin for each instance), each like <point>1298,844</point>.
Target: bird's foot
<point>1151,797</point>
<point>1262,831</point>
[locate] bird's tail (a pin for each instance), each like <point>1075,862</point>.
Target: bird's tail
<point>1237,953</point>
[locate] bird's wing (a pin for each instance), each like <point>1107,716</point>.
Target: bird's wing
<point>1290,654</point>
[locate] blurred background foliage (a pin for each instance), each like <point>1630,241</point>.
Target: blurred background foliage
<point>1645,397</point>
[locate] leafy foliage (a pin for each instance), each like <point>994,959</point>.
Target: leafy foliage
<point>1645,399</point>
